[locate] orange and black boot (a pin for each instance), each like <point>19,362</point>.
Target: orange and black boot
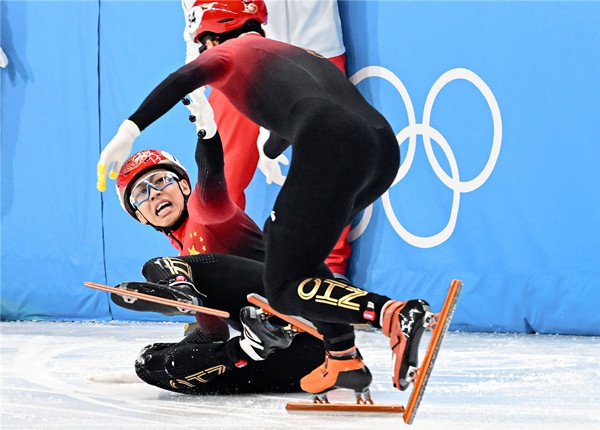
<point>404,323</point>
<point>341,369</point>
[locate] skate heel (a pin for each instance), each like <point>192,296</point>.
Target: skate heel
<point>320,398</point>
<point>178,291</point>
<point>404,323</point>
<point>260,337</point>
<point>340,370</point>
<point>357,380</point>
<point>363,397</point>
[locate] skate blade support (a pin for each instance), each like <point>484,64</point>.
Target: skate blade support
<point>147,297</point>
<point>438,328</point>
<point>298,323</point>
<point>343,407</point>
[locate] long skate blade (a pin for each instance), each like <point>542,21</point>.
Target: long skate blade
<point>343,407</point>
<point>297,323</point>
<point>162,301</point>
<point>439,329</point>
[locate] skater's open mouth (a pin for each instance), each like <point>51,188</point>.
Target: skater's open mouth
<point>162,206</point>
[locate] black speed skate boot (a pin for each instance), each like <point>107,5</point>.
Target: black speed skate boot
<point>261,334</point>
<point>404,323</point>
<point>177,290</point>
<point>341,369</point>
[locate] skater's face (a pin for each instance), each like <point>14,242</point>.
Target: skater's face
<point>211,43</point>
<point>159,198</point>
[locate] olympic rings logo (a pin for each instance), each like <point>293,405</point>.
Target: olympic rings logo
<point>429,133</point>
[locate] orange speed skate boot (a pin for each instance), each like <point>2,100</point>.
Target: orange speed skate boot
<point>341,369</point>
<point>404,323</point>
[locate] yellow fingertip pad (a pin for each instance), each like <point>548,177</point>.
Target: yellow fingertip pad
<point>101,184</point>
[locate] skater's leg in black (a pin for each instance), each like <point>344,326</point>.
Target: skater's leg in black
<point>195,367</point>
<point>338,169</point>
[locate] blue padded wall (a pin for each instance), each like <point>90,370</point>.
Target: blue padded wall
<point>495,106</point>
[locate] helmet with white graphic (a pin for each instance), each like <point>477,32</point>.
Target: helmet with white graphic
<point>223,16</point>
<point>140,163</point>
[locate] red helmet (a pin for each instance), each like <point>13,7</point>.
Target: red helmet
<point>223,16</point>
<point>140,163</point>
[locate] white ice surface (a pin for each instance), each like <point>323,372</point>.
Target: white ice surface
<point>58,376</point>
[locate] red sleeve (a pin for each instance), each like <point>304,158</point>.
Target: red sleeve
<point>210,211</point>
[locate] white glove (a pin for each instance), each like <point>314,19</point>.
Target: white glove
<point>116,152</point>
<point>270,167</point>
<point>3,59</point>
<point>202,113</point>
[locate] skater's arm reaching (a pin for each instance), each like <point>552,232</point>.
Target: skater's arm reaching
<point>115,153</point>
<point>166,95</point>
<point>200,72</point>
<point>210,202</point>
